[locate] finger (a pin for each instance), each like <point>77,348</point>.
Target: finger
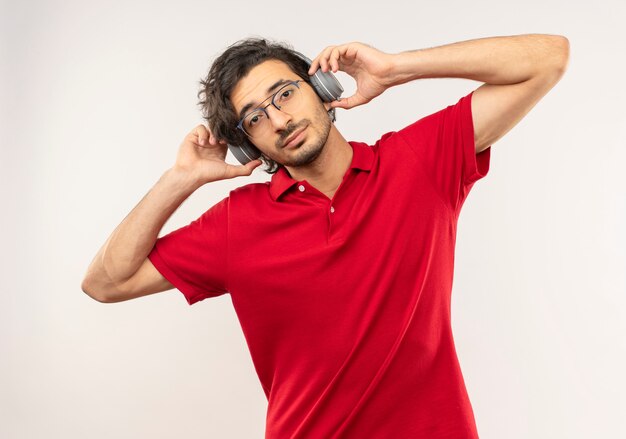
<point>314,66</point>
<point>324,58</point>
<point>252,165</point>
<point>233,171</point>
<point>327,57</point>
<point>212,139</point>
<point>349,102</point>
<point>201,133</point>
<point>334,59</point>
<point>345,55</point>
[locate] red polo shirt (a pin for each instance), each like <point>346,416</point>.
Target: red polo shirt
<point>345,303</point>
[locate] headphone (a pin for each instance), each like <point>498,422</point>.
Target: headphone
<point>325,85</point>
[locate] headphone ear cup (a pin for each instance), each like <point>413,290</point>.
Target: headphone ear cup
<point>244,153</point>
<point>325,84</point>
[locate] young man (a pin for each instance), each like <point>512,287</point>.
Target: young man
<point>340,268</point>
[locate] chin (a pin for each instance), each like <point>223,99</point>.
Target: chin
<point>309,149</point>
<point>304,154</point>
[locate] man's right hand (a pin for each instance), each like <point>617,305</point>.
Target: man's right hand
<point>121,269</point>
<point>202,157</point>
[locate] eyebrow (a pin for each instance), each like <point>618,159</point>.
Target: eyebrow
<point>270,89</point>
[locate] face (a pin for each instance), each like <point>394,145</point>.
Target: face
<point>293,138</point>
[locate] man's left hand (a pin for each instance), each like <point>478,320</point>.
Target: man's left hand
<point>370,68</point>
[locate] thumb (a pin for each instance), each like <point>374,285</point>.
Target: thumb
<point>252,165</point>
<point>233,171</point>
<point>350,102</point>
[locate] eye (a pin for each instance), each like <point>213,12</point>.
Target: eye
<point>285,94</point>
<point>254,118</point>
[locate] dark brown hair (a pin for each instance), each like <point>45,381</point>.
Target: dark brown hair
<point>227,70</point>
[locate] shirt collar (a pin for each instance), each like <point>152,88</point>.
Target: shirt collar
<point>362,158</point>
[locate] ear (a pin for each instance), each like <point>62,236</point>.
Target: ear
<point>331,114</point>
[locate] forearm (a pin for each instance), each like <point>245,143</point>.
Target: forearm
<point>493,60</point>
<point>130,243</point>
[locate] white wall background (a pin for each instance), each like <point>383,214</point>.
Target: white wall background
<point>95,98</point>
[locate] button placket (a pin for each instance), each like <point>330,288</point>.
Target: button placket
<point>331,220</point>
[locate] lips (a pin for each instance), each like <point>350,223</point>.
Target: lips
<point>294,138</point>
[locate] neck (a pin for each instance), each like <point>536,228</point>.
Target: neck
<point>327,171</point>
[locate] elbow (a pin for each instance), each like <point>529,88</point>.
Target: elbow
<point>562,59</point>
<point>556,60</point>
<point>90,289</point>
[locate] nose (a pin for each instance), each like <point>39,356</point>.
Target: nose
<point>278,118</point>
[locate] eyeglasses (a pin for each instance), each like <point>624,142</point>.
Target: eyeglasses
<point>287,98</point>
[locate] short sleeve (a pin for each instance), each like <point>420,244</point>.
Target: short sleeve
<point>445,148</point>
<point>194,257</point>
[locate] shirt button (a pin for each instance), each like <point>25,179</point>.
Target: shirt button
<point>301,188</point>
<point>332,209</point>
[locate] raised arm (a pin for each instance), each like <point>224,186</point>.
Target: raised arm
<point>121,269</point>
<point>517,71</point>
